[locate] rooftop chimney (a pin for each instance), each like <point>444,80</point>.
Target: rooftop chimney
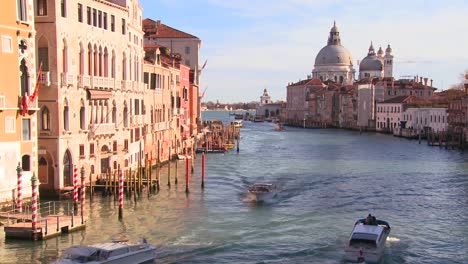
<point>425,82</point>
<point>431,83</point>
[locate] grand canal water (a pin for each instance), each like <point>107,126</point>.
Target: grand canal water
<point>328,179</point>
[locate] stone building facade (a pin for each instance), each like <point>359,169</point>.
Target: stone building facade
<point>93,112</point>
<point>18,99</point>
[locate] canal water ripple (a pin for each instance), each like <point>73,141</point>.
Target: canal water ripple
<point>328,179</point>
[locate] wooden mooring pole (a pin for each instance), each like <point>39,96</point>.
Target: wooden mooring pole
<point>203,170</point>
<point>121,186</point>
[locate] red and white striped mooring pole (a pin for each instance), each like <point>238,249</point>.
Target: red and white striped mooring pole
<point>19,202</point>
<point>34,203</point>
<point>75,189</point>
<point>121,196</point>
<point>83,192</point>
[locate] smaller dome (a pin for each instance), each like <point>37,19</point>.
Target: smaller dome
<point>334,29</point>
<point>380,52</point>
<point>388,50</point>
<point>371,63</point>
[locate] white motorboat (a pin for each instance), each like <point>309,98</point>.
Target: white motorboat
<point>367,241</point>
<point>263,192</point>
<point>109,253</point>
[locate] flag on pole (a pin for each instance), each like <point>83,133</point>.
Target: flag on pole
<point>24,104</point>
<point>204,64</point>
<point>36,89</point>
<point>203,94</point>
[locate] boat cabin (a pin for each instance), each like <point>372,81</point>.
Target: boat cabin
<point>369,235</point>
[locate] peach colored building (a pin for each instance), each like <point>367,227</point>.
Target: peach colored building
<point>163,137</point>
<point>187,45</point>
<point>18,103</point>
<point>93,110</point>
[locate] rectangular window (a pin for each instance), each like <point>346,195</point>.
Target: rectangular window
<point>22,10</point>
<point>63,8</point>
<point>187,62</point>
<point>80,13</point>
<point>41,7</point>
<point>26,129</point>
<point>126,144</point>
<point>7,44</point>
<point>105,21</point>
<point>10,124</point>
<point>88,15</point>
<point>82,151</point>
<point>146,77</point>
<point>100,19</point>
<point>124,26</point>
<point>91,149</point>
<point>153,81</point>
<point>114,146</point>
<point>112,23</point>
<point>187,50</point>
<point>137,106</point>
<point>94,17</point>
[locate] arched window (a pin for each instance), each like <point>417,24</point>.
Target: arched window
<point>81,60</point>
<point>106,63</point>
<point>114,113</point>
<point>100,62</point>
<point>45,118</point>
<point>43,53</point>
<point>67,168</point>
<point>341,79</point>
<point>24,79</point>
<point>90,59</point>
<point>125,116</point>
<point>96,61</point>
<point>26,163</point>
<point>82,116</point>
<point>113,65</point>
<point>41,7</point>
<point>65,57</point>
<point>66,124</point>
<point>124,67</point>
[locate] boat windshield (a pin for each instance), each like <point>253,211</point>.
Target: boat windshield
<point>363,238</point>
<point>81,259</point>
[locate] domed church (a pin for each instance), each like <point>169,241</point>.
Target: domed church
<point>376,65</point>
<point>334,62</point>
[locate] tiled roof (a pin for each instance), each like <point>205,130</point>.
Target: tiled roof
<point>314,81</point>
<point>156,29</point>
<point>399,99</point>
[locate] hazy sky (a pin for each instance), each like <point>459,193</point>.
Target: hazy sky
<point>255,44</point>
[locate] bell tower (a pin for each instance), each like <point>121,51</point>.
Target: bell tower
<point>388,62</point>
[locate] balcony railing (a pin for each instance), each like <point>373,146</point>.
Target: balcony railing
<point>45,78</point>
<point>67,79</point>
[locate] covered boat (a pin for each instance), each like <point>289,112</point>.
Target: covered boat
<point>263,192</point>
<point>109,253</point>
<point>367,240</point>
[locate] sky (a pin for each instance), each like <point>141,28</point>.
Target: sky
<point>251,45</point>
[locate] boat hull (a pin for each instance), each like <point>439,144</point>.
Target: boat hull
<point>262,197</point>
<point>361,253</point>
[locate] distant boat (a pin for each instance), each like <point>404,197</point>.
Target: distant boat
<point>258,118</point>
<point>109,253</point>
<point>279,127</point>
<point>239,116</point>
<point>263,192</point>
<point>367,241</point>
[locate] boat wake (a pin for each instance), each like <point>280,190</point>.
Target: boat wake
<point>393,239</point>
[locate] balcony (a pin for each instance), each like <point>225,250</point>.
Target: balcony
<point>67,79</point>
<point>126,85</point>
<point>101,129</point>
<point>44,78</point>
<point>26,105</point>
<point>84,81</point>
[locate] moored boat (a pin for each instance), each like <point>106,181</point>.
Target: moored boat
<point>237,123</point>
<point>109,253</point>
<point>367,240</point>
<point>263,192</point>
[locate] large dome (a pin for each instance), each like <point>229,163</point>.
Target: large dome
<point>371,63</point>
<point>333,55</point>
